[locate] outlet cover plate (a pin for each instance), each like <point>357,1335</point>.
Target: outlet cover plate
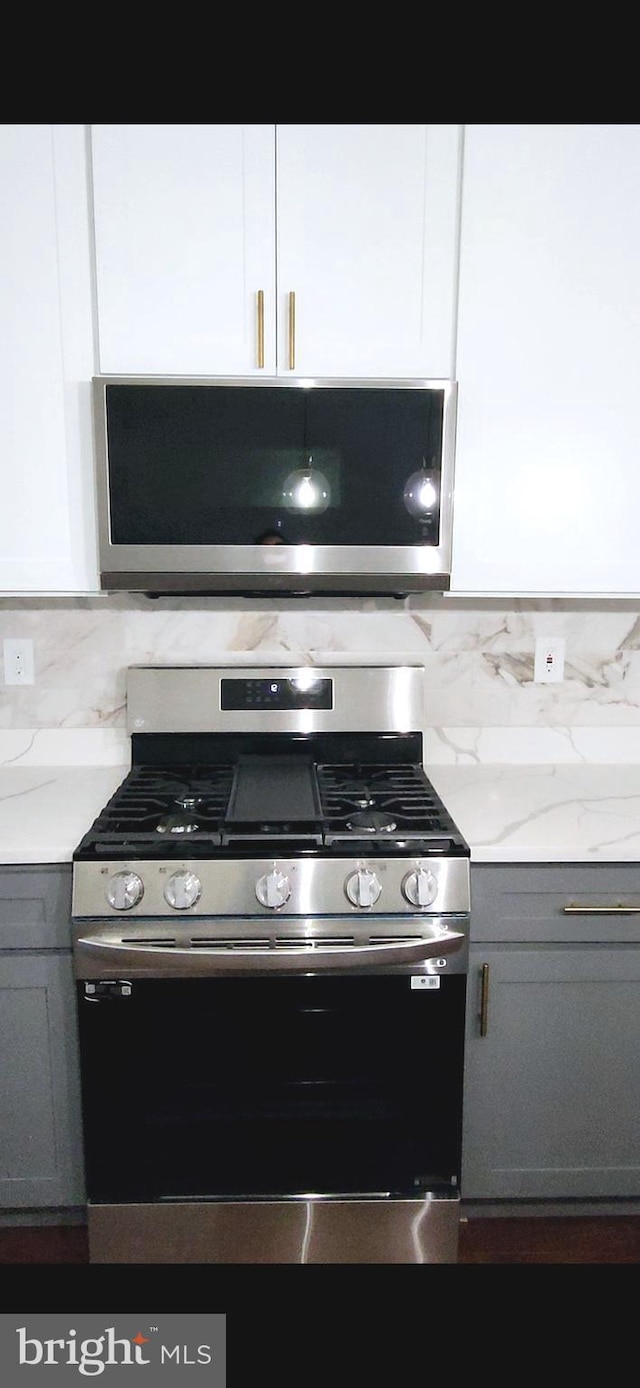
<point>549,660</point>
<point>18,661</point>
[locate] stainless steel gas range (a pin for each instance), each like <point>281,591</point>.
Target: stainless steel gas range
<point>271,921</point>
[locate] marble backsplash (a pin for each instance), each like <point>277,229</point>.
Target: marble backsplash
<point>482,703</point>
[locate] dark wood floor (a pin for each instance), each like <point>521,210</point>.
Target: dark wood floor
<point>526,1239</point>
<point>562,1239</point>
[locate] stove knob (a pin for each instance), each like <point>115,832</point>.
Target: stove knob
<point>273,889</point>
<point>182,890</point>
<point>363,888</point>
<point>420,887</point>
<point>124,891</point>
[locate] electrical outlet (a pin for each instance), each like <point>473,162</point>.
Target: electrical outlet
<point>18,662</point>
<point>549,660</point>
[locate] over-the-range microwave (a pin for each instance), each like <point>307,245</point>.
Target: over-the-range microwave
<point>267,487</point>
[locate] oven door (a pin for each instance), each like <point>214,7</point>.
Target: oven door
<point>242,1088</point>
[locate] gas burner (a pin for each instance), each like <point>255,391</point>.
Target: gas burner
<point>181,823</point>
<point>371,822</point>
<point>364,799</point>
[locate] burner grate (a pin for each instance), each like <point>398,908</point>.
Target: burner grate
<point>193,809</point>
<point>401,791</point>
<point>149,796</point>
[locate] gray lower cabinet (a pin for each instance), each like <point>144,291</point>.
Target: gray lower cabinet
<point>40,1126</point>
<point>552,1066</point>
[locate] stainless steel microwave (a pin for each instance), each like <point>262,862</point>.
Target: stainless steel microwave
<point>270,487</point>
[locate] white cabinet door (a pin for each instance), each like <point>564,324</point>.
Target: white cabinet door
<point>47,541</point>
<point>367,228</point>
<point>547,489</point>
<point>185,244</point>
<point>348,232</point>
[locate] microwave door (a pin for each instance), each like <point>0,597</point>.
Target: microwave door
<point>238,488</point>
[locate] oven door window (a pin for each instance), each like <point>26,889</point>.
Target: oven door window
<point>263,1087</point>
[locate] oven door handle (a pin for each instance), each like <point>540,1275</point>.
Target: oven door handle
<point>289,958</point>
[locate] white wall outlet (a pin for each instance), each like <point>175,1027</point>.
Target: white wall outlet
<point>549,661</point>
<point>18,661</point>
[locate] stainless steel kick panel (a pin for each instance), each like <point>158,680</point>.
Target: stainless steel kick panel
<point>296,1230</point>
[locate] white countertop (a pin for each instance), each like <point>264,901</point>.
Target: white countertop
<point>544,813</point>
<point>45,810</point>
<point>507,813</point>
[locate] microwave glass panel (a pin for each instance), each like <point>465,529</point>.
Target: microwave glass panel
<point>226,465</point>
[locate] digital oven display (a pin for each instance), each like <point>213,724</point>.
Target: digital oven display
<point>305,691</point>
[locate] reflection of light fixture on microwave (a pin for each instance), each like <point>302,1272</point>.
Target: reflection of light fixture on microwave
<point>306,489</point>
<point>420,494</point>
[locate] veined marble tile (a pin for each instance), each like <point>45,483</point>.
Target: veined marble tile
<point>453,625</point>
<point>478,656</point>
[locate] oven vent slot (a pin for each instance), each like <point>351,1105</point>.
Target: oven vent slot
<point>166,941</point>
<point>326,941</point>
<point>394,939</point>
<point>232,942</point>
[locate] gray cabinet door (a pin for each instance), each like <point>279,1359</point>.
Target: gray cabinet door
<point>40,1133</point>
<point>552,1089</point>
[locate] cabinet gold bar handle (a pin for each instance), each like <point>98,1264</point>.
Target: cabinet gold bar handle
<point>618,910</point>
<point>260,297</point>
<point>292,332</point>
<point>484,1001</point>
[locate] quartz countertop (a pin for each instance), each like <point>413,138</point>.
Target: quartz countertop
<point>507,812</point>
<point>46,810</point>
<point>532,813</point>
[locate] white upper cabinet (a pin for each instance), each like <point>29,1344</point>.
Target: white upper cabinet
<point>301,250</point>
<point>367,219</point>
<point>47,531</point>
<point>185,245</point>
<point>547,490</point>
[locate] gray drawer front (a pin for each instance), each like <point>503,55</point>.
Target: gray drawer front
<point>35,907</point>
<point>528,902</point>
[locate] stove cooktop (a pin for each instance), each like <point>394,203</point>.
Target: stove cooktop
<point>272,804</point>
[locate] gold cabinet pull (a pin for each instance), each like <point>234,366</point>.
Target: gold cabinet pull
<point>484,1001</point>
<point>572,909</point>
<point>292,332</point>
<point>260,309</point>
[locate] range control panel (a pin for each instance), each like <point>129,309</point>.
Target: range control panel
<point>304,691</point>
<point>263,887</point>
